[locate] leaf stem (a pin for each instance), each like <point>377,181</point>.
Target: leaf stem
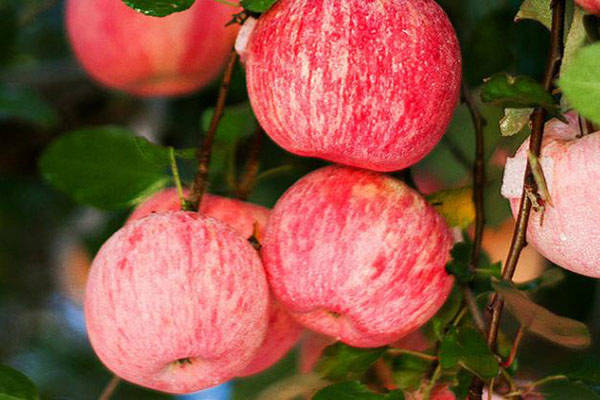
<point>205,149</point>
<point>417,354</point>
<point>515,348</point>
<point>176,177</point>
<point>110,388</point>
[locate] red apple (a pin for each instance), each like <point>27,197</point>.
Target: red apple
<point>567,232</point>
<point>371,84</point>
<point>592,6</point>
<point>150,56</point>
<point>283,331</point>
<point>176,302</point>
<point>357,256</point>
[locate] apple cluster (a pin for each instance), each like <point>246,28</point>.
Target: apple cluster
<point>179,301</point>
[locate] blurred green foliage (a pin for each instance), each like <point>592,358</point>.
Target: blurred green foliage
<point>43,94</point>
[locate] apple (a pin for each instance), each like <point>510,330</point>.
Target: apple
<point>239,215</point>
<point>592,6</point>
<point>357,255</point>
<point>283,331</point>
<point>176,302</point>
<point>150,56</point>
<point>567,231</point>
<point>371,84</point>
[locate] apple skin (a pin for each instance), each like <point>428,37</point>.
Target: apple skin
<point>569,233</point>
<point>357,255</point>
<point>370,84</point>
<point>149,56</point>
<point>176,286</point>
<point>440,392</point>
<point>283,331</point>
<point>239,215</point>
<point>592,6</point>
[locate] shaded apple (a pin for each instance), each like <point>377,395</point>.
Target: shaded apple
<point>283,331</point>
<point>371,84</point>
<point>567,232</point>
<point>150,56</point>
<point>592,6</point>
<point>176,302</point>
<point>357,256</point>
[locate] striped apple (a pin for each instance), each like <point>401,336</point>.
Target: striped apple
<point>283,332</point>
<point>357,256</point>
<point>367,83</point>
<point>176,302</point>
<point>150,56</point>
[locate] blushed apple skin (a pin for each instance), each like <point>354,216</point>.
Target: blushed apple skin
<point>150,56</point>
<point>176,286</point>
<point>569,234</point>
<point>283,331</point>
<point>357,256</point>
<point>592,6</point>
<point>239,215</point>
<point>366,83</point>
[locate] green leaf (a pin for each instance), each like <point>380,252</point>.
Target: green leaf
<point>354,391</point>
<point>8,31</point>
<point>237,121</point>
<point>538,320</point>
<point>447,313</point>
<point>259,6</point>
<point>410,371</point>
<point>537,10</point>
<point>467,348</point>
<point>26,105</point>
<point>16,386</point>
<point>106,167</point>
<point>159,8</point>
<point>460,264</point>
<point>341,362</point>
<point>576,38</point>
<point>549,278</point>
<point>517,92</point>
<point>560,390</point>
<point>580,82</point>
<point>514,120</point>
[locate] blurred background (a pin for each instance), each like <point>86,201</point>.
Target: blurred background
<point>47,240</point>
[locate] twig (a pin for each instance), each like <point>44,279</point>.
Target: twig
<point>110,388</point>
<point>205,150</point>
<point>514,349</point>
<point>472,304</point>
<point>478,174</point>
<point>417,354</point>
<point>248,179</point>
<point>535,143</point>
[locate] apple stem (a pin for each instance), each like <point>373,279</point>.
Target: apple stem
<point>535,143</point>
<point>204,152</point>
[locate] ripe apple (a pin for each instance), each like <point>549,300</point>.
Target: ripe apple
<point>239,215</point>
<point>592,6</point>
<point>150,56</point>
<point>371,84</point>
<point>283,331</point>
<point>176,302</point>
<point>357,256</point>
<point>567,232</point>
